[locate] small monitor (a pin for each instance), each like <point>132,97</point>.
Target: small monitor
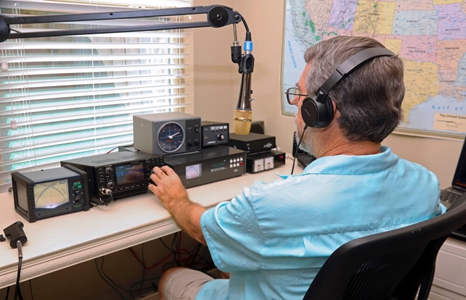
<point>51,192</point>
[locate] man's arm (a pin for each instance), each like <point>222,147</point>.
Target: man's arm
<point>171,192</point>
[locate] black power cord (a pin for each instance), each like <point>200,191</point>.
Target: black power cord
<point>19,245</point>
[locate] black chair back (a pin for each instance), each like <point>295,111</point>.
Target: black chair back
<point>393,265</point>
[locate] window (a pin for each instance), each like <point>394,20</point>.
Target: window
<point>74,96</point>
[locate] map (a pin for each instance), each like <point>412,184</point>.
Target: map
<point>429,36</point>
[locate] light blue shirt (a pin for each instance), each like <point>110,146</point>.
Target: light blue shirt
<point>275,237</point>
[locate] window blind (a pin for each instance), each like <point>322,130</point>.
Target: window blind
<point>74,96</point>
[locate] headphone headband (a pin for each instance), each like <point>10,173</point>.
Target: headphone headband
<point>347,67</point>
<point>317,110</point>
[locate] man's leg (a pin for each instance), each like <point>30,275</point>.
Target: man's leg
<point>181,283</point>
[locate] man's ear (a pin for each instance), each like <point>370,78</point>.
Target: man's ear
<point>336,112</point>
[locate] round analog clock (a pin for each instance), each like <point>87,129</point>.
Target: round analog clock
<point>170,137</point>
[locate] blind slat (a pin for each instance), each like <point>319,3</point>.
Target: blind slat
<point>99,45</point>
<point>65,71</point>
<point>88,58</point>
<point>76,82</point>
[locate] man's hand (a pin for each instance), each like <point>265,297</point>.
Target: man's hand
<point>171,192</point>
<point>168,186</point>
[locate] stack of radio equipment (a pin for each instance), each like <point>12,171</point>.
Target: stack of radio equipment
<point>261,151</point>
<point>198,151</point>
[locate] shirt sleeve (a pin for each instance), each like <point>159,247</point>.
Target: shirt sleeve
<point>233,235</point>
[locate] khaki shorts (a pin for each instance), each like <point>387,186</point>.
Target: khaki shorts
<point>185,284</point>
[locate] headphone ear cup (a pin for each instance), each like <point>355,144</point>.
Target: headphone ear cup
<point>309,111</point>
<point>316,113</point>
<point>325,110</point>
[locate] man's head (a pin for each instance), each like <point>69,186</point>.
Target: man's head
<point>367,103</point>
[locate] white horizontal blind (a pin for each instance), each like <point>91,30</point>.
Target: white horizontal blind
<point>74,96</point>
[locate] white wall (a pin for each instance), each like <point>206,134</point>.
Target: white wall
<point>216,93</point>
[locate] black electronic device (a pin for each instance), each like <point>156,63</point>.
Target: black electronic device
<point>317,110</point>
<point>214,133</point>
<point>208,165</point>
<point>252,142</point>
<point>15,233</point>
<point>265,161</point>
<point>167,133</point>
<point>50,192</point>
<point>258,126</point>
<point>117,174</point>
<point>304,158</point>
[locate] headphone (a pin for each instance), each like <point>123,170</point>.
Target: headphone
<point>317,110</point>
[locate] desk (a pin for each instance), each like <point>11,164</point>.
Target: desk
<point>60,242</point>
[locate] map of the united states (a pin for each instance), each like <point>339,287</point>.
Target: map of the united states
<point>429,36</point>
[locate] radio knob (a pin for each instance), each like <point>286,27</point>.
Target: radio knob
<point>220,137</point>
<point>110,184</point>
<point>108,170</point>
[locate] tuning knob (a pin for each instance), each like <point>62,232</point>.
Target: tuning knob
<point>108,170</point>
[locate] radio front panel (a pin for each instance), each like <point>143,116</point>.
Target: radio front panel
<point>120,174</point>
<point>209,165</point>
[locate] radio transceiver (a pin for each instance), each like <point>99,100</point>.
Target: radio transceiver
<point>116,175</point>
<point>214,133</point>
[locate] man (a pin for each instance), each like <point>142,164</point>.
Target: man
<point>273,238</point>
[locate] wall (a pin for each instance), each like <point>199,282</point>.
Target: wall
<point>265,19</point>
<point>215,76</point>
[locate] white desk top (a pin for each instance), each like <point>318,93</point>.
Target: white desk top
<point>63,241</point>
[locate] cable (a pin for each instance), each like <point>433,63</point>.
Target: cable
<point>152,287</point>
<point>30,289</point>
<point>176,255</point>
<point>143,269</point>
<point>103,201</point>
<point>19,245</point>
<point>163,243</point>
<point>178,252</point>
<point>297,148</point>
<point>7,293</point>
<point>106,280</point>
<point>153,266</point>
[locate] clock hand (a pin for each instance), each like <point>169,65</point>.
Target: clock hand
<point>171,136</point>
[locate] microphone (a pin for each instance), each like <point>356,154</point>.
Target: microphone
<point>243,113</point>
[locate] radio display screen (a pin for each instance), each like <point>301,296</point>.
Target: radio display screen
<point>126,174</point>
<point>221,165</point>
<point>51,194</point>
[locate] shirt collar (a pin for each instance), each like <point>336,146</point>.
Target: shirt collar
<point>350,164</point>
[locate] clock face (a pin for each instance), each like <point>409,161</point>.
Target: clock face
<point>170,137</point>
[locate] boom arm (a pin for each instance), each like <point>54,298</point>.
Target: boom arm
<point>217,16</point>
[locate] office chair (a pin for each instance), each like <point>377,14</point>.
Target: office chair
<point>393,265</point>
